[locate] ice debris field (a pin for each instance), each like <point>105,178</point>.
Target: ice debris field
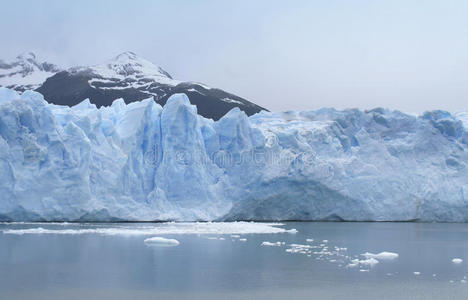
<point>143,162</point>
<point>163,235</point>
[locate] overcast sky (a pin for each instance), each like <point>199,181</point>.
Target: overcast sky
<point>407,55</point>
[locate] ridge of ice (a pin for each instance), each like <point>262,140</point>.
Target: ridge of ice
<point>144,162</point>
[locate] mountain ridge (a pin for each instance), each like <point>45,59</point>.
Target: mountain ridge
<point>126,76</point>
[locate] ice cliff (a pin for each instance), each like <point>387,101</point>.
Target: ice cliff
<point>144,162</point>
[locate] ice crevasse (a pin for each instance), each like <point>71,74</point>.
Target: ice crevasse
<point>143,162</point>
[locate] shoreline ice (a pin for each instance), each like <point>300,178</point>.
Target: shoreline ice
<point>209,228</point>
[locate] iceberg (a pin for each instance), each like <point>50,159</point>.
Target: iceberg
<point>160,241</point>
<point>144,162</point>
<point>381,256</point>
<point>457,261</point>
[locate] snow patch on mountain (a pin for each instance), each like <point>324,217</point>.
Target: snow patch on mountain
<point>25,72</point>
<point>127,70</point>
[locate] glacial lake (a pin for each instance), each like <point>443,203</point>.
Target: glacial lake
<point>225,261</point>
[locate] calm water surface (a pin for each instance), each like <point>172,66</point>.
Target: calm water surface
<point>96,266</point>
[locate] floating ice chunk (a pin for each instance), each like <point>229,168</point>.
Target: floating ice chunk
<point>370,262</point>
<point>309,240</point>
<point>298,248</point>
<point>242,240</point>
<point>235,236</point>
<point>417,273</point>
<point>277,244</point>
<point>457,261</point>
<point>160,241</point>
<point>381,256</point>
<point>292,230</point>
<point>325,241</point>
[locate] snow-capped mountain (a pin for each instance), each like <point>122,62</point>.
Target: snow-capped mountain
<point>127,76</point>
<point>133,78</point>
<point>26,72</point>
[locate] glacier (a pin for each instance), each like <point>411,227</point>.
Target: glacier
<point>144,162</point>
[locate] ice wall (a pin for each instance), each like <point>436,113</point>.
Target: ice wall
<point>144,162</point>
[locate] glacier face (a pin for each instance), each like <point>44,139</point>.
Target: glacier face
<point>144,162</point>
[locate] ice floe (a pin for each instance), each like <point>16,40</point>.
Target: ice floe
<point>161,228</point>
<point>160,241</point>
<point>270,244</point>
<point>370,262</point>
<point>381,256</point>
<point>457,261</point>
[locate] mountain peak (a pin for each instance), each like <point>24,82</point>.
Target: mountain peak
<point>26,56</point>
<point>129,65</point>
<point>126,56</point>
<point>25,72</point>
<point>126,75</point>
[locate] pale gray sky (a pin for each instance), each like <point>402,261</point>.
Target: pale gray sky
<point>401,54</point>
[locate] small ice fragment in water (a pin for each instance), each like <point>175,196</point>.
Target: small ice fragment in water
<point>277,244</point>
<point>309,240</point>
<point>365,262</point>
<point>242,240</point>
<point>235,236</point>
<point>417,273</point>
<point>382,255</point>
<point>221,239</point>
<point>369,262</point>
<point>160,241</point>
<point>325,241</point>
<point>457,260</point>
<point>293,230</point>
